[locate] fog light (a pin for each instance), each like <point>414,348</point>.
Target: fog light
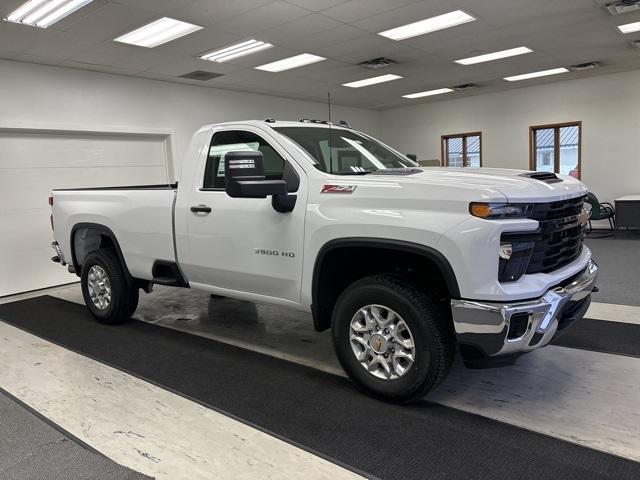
<point>506,250</point>
<point>514,260</point>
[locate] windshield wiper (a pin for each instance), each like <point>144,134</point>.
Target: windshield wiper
<point>360,172</point>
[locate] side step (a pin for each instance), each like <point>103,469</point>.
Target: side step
<point>168,281</point>
<point>168,273</point>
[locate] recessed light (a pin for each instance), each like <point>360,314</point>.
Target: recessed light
<point>629,27</point>
<point>371,81</point>
<point>428,25</point>
<point>42,13</point>
<point>512,52</point>
<point>156,33</point>
<point>291,62</point>
<point>235,51</point>
<point>428,93</point>
<point>543,73</point>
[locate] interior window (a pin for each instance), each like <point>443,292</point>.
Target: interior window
<point>238,140</point>
<point>462,150</point>
<point>556,148</point>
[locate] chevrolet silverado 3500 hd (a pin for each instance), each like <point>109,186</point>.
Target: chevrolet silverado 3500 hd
<point>404,264</point>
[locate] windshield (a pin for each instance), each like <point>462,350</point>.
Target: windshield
<point>350,154</point>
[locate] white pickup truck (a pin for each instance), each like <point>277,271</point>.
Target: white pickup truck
<point>404,264</point>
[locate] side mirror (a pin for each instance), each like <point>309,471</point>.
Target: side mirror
<point>244,176</point>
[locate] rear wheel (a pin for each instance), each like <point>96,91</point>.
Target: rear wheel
<point>393,340</point>
<point>106,292</point>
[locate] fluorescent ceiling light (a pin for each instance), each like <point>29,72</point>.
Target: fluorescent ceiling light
<point>371,81</point>
<point>156,33</point>
<point>629,27</point>
<point>428,93</point>
<point>235,51</point>
<point>543,73</point>
<point>429,25</point>
<point>42,13</point>
<point>512,52</point>
<point>291,62</point>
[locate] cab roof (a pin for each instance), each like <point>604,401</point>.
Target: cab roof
<point>280,123</point>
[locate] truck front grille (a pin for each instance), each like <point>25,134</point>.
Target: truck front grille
<point>556,249</point>
<point>559,238</point>
<point>556,210</point>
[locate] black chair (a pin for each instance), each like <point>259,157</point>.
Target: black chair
<point>601,211</point>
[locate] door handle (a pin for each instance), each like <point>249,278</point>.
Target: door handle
<point>201,209</point>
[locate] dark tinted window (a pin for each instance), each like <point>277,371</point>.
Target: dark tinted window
<point>238,140</point>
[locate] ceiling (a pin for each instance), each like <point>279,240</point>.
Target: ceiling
<point>561,33</point>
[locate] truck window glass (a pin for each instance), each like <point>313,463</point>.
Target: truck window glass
<point>238,140</point>
<point>350,152</point>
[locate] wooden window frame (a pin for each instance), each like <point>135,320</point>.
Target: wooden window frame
<point>556,144</point>
<point>444,144</point>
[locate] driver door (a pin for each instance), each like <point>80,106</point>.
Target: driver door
<point>243,244</point>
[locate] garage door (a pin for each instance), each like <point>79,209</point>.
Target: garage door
<point>32,164</point>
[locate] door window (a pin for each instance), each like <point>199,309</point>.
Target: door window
<point>239,140</point>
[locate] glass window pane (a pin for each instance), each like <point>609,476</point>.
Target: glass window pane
<point>544,144</point>
<point>454,152</point>
<point>473,151</point>
<point>569,143</point>
<point>236,140</point>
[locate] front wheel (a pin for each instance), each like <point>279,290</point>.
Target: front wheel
<point>108,296</point>
<point>393,340</point>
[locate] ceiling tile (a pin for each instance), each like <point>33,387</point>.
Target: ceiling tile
<point>18,38</point>
<point>339,34</point>
<point>355,10</point>
<point>59,45</point>
<point>301,28</point>
<point>263,18</point>
<point>317,5</point>
<point>209,12</point>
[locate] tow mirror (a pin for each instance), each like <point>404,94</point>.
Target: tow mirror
<point>244,176</point>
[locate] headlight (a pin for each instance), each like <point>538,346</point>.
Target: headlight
<point>500,210</point>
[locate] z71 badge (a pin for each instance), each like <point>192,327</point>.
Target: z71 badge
<point>338,189</point>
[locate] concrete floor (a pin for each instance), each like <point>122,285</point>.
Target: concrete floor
<point>30,448</point>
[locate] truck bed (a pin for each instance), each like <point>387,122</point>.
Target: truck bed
<point>140,218</point>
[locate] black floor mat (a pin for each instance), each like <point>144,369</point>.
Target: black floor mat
<point>320,412</point>
<point>602,336</point>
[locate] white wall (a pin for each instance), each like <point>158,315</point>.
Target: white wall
<point>608,105</point>
<point>52,96</point>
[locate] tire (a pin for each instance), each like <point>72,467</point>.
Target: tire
<point>123,299</point>
<point>428,324</point>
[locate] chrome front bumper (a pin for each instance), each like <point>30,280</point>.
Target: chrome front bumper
<point>483,328</point>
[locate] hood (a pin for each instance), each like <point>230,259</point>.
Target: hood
<point>517,186</point>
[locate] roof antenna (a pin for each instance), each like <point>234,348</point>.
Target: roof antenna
<point>330,150</point>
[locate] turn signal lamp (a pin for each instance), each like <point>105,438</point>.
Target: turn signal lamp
<point>500,210</point>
